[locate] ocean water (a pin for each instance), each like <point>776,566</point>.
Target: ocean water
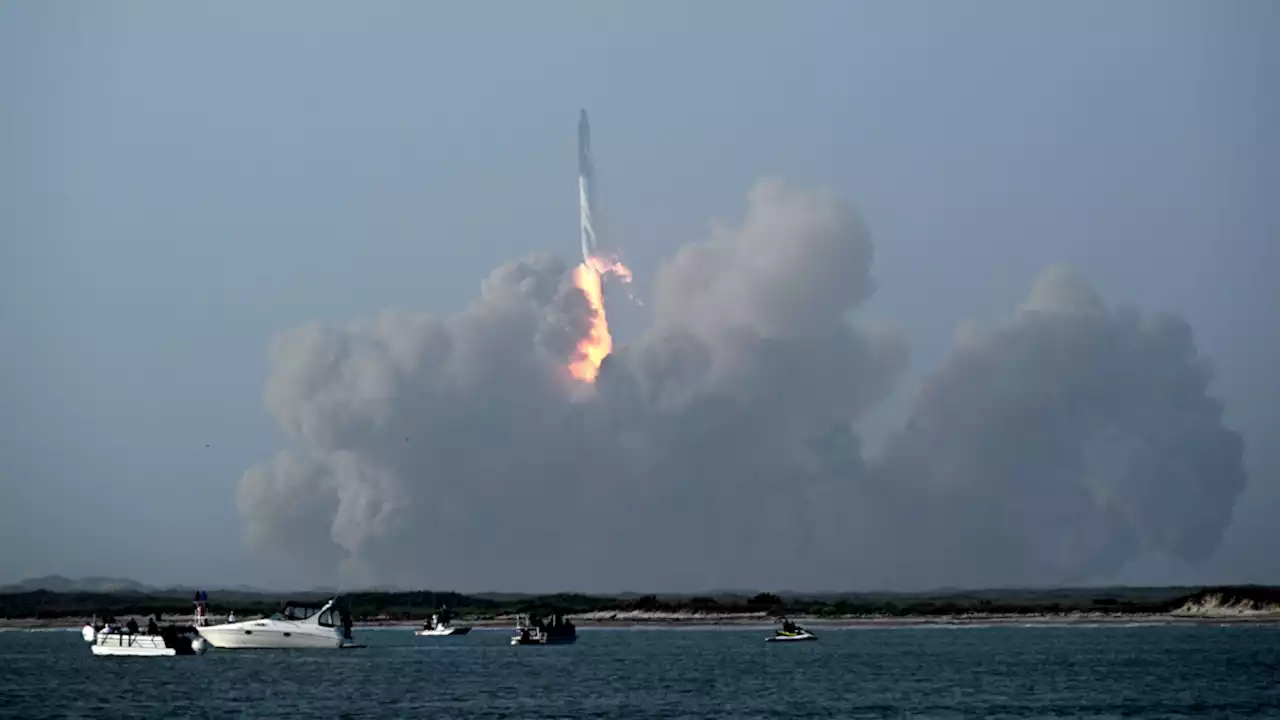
<point>1108,671</point>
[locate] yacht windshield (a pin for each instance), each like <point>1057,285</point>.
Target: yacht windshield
<point>295,613</point>
<point>333,617</point>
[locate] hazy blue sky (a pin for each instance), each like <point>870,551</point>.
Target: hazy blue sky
<point>181,181</point>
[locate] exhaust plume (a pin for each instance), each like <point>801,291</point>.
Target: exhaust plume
<point>720,448</point>
<point>597,343</point>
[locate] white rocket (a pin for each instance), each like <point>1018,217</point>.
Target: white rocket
<point>586,177</point>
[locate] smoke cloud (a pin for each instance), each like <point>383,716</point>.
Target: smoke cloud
<point>1061,444</point>
<point>720,449</point>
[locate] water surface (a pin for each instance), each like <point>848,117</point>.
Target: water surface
<point>1159,671</point>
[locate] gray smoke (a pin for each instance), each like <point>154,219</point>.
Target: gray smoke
<point>719,449</point>
<point>1059,445</point>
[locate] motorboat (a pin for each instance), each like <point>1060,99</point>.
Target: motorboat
<point>296,625</point>
<point>440,625</point>
<point>169,641</point>
<point>553,630</point>
<point>114,639</point>
<point>790,632</point>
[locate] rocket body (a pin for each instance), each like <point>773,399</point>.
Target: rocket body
<point>584,144</point>
<point>586,197</point>
<point>600,257</point>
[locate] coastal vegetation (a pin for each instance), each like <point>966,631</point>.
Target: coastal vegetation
<point>372,606</point>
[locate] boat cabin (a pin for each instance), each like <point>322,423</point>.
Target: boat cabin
<point>329,614</point>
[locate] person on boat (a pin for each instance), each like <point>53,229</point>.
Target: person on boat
<point>132,626</point>
<point>152,627</point>
<point>788,626</point>
<point>231,616</point>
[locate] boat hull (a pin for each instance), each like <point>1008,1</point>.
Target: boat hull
<point>138,645</point>
<point>517,640</point>
<point>802,637</point>
<point>133,651</point>
<point>447,632</point>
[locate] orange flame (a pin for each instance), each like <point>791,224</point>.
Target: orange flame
<point>610,266</point>
<point>593,348</point>
<point>596,346</point>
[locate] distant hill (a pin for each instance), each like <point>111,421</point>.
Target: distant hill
<point>58,583</point>
<point>62,584</point>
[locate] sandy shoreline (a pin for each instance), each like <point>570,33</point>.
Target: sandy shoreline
<point>694,621</point>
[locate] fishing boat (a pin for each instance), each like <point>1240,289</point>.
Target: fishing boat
<point>790,632</point>
<point>440,625</point>
<point>553,630</point>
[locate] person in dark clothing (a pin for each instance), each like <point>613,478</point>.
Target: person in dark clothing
<point>132,626</point>
<point>152,627</point>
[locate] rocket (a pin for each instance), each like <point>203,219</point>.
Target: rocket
<point>600,257</point>
<point>584,144</point>
<point>586,178</point>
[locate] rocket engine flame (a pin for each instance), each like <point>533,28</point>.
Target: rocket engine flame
<point>598,343</point>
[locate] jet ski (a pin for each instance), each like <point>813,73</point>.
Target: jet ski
<point>441,625</point>
<point>790,632</point>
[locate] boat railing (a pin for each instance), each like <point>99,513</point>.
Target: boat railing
<point>122,639</point>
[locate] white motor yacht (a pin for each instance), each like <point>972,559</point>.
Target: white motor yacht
<point>297,625</point>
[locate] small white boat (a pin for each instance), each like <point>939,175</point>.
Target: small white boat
<point>154,642</point>
<point>790,632</point>
<point>440,625</point>
<point>141,644</point>
<point>297,625</point>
